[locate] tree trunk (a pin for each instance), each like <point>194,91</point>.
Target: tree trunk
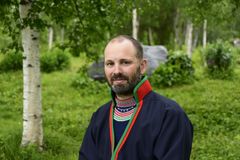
<point>62,35</point>
<point>204,33</point>
<point>188,38</point>
<point>135,24</point>
<point>50,38</point>
<point>195,41</point>
<point>176,29</point>
<point>32,109</point>
<point>150,36</point>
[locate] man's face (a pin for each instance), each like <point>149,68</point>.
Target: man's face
<point>122,68</point>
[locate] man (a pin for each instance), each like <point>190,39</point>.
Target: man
<point>137,124</point>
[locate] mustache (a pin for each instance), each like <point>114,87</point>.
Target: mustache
<point>119,76</point>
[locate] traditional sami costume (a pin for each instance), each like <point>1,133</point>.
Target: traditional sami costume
<point>158,129</point>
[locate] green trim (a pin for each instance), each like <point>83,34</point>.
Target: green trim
<point>124,133</point>
<point>120,119</point>
<point>137,87</point>
<point>130,121</point>
<point>113,133</point>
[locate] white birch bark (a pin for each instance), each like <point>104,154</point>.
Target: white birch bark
<point>50,38</point>
<point>32,109</point>
<point>195,40</point>
<point>62,35</point>
<point>204,33</point>
<point>188,38</point>
<point>135,24</point>
<point>150,36</point>
<point>176,29</point>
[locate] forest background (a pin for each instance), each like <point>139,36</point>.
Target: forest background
<point>47,97</point>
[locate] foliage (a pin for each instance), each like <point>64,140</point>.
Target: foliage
<point>11,61</point>
<point>87,23</point>
<point>236,55</point>
<point>68,110</point>
<point>10,146</point>
<point>83,82</point>
<point>177,70</point>
<point>96,21</point>
<point>55,59</point>
<point>215,122</point>
<point>55,148</point>
<point>157,16</point>
<point>218,58</point>
<point>10,23</point>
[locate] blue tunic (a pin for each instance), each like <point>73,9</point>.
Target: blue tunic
<point>119,129</point>
<point>161,131</point>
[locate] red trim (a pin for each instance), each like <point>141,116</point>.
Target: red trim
<point>110,127</point>
<point>143,90</point>
<point>129,130</point>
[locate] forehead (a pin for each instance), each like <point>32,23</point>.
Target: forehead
<point>120,50</point>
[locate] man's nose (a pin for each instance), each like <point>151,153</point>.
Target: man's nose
<point>117,69</point>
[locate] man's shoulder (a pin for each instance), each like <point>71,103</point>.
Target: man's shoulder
<point>161,102</point>
<point>100,116</point>
<point>103,109</point>
<point>159,106</point>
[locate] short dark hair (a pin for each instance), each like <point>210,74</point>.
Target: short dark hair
<point>135,43</point>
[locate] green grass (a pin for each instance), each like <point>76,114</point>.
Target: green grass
<point>214,109</point>
<point>212,105</point>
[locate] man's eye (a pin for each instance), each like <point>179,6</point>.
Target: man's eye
<point>109,64</point>
<point>126,62</point>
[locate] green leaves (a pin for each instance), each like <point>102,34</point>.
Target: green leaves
<point>12,61</point>
<point>55,60</point>
<point>86,85</point>
<point>88,23</point>
<point>177,70</point>
<point>219,60</point>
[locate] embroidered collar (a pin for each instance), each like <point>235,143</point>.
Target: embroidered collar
<point>124,109</point>
<point>139,92</point>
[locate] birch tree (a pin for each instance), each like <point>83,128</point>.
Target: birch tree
<point>188,38</point>
<point>176,29</point>
<point>195,39</point>
<point>32,109</point>
<point>50,37</point>
<point>204,33</point>
<point>62,35</point>
<point>135,23</point>
<point>150,36</point>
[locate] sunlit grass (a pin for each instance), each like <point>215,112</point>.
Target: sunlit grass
<point>212,105</point>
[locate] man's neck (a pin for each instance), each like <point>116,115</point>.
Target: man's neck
<point>123,97</point>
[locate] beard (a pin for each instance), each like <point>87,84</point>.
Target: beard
<point>126,88</point>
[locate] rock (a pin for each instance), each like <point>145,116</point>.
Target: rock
<point>236,42</point>
<point>154,54</point>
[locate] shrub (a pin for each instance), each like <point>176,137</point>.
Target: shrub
<point>85,83</point>
<point>54,60</point>
<point>218,59</point>
<point>236,53</point>
<point>177,70</point>
<point>12,61</point>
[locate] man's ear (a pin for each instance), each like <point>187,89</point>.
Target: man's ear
<point>143,66</point>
